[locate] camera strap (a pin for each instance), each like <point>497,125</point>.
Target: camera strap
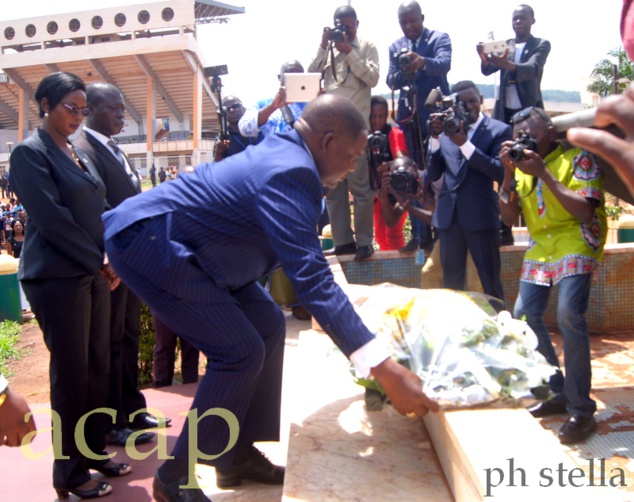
<point>333,67</point>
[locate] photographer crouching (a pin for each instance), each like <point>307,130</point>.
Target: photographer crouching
<point>385,144</point>
<point>561,194</point>
<point>464,148</point>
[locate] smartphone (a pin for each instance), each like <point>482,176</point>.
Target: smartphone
<point>496,47</point>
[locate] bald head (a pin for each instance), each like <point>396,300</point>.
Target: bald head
<point>95,93</point>
<point>106,108</point>
<point>410,7</point>
<point>336,135</point>
<point>333,113</point>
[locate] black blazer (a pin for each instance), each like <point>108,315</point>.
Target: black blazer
<point>118,184</point>
<point>63,203</point>
<point>528,75</point>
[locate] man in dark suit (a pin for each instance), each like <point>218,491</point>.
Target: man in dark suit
<point>467,215</point>
<point>521,67</point>
<point>194,249</point>
<point>106,119</point>
<point>429,53</point>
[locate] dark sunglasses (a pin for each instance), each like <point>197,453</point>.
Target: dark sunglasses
<point>234,106</point>
<point>76,110</point>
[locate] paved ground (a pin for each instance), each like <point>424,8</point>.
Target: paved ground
<point>613,380</point>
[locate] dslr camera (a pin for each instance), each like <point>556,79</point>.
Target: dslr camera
<point>524,141</point>
<point>402,59</point>
<point>450,108</point>
<point>336,33</point>
<point>376,153</point>
<point>402,179</point>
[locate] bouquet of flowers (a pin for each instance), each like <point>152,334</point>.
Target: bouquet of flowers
<point>465,352</point>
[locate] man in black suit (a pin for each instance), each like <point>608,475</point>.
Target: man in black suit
<point>467,214</point>
<point>429,53</point>
<point>521,68</point>
<point>106,119</point>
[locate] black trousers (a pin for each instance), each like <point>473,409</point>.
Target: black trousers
<point>74,315</point>
<point>125,396</point>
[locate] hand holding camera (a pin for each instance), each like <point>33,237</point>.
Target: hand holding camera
<point>521,154</point>
<point>339,36</point>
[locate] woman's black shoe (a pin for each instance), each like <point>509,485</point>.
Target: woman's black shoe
<point>256,467</point>
<point>112,471</point>
<point>100,490</point>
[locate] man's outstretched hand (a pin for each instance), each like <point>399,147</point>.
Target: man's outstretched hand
<point>403,388</point>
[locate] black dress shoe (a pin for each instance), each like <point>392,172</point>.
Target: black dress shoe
<point>364,252</point>
<point>412,245</point>
<point>171,492</point>
<point>346,249</point>
<point>549,407</point>
<point>147,421</point>
<point>256,467</point>
<point>119,437</point>
<point>578,428</point>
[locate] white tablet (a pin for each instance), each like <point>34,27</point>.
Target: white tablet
<point>301,87</point>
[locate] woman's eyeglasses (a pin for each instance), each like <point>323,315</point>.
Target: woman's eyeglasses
<point>76,110</point>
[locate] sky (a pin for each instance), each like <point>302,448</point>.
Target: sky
<point>255,44</point>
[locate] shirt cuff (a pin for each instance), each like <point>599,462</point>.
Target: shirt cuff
<point>467,149</point>
<point>368,356</point>
<point>4,383</point>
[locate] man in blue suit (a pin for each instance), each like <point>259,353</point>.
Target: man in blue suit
<point>429,53</point>
<point>467,215</point>
<point>193,250</point>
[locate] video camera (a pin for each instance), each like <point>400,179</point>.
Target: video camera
<point>450,108</point>
<point>524,141</point>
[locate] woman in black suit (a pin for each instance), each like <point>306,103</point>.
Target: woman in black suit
<point>64,278</point>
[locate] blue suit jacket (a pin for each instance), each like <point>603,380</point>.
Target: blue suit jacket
<point>528,75</point>
<point>227,224</point>
<point>435,47</point>
<point>468,184</point>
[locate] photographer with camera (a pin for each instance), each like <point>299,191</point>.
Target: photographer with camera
<point>419,62</point>
<point>386,143</point>
<point>467,215</point>
<point>235,141</point>
<point>274,114</point>
<point>521,67</point>
<point>350,68</point>
<point>560,194</point>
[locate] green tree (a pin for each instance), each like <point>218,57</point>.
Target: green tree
<point>603,73</point>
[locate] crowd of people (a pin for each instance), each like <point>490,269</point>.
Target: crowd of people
<point>195,249</point>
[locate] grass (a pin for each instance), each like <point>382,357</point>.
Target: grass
<point>9,331</point>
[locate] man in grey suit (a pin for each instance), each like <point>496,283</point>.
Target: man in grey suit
<point>106,119</point>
